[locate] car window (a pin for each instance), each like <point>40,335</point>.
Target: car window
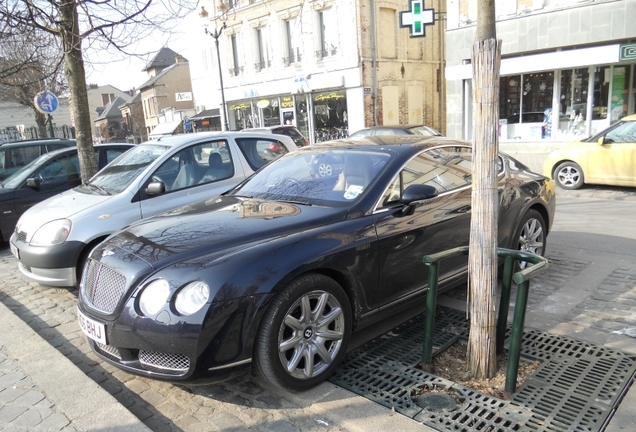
<point>363,132</point>
<point>387,131</point>
<point>198,164</point>
<point>20,156</point>
<point>625,133</point>
<point>259,151</point>
<point>444,168</point>
<point>55,146</point>
<point>62,169</point>
<point>112,154</point>
<point>117,176</point>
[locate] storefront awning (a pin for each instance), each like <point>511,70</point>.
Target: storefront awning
<point>163,129</point>
<point>211,113</point>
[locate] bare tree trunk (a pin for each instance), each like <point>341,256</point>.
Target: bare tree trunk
<point>75,75</point>
<point>482,257</point>
<point>40,120</point>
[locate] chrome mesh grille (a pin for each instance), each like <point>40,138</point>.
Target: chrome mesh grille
<point>102,286</point>
<point>172,362</point>
<point>22,236</point>
<point>108,350</point>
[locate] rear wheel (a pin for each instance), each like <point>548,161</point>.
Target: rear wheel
<point>531,235</point>
<point>569,175</point>
<point>304,333</point>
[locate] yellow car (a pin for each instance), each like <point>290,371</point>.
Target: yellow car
<point>608,157</point>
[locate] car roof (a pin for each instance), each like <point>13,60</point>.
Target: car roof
<point>181,139</point>
<point>398,143</point>
<point>629,118</point>
<point>28,143</point>
<point>57,152</point>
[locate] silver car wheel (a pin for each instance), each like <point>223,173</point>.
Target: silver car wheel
<point>569,175</point>
<point>531,238</point>
<point>311,335</point>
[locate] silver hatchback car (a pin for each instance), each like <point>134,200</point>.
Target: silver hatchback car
<point>53,238</point>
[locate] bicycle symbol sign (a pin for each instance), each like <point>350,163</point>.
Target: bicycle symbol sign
<point>46,102</point>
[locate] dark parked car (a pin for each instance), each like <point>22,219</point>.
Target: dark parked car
<point>48,175</point>
<point>279,271</point>
<point>15,155</point>
<point>397,130</point>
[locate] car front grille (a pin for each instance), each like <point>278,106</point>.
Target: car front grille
<point>102,286</point>
<point>164,361</point>
<point>22,236</point>
<point>109,351</point>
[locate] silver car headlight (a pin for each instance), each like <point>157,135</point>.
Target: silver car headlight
<point>154,296</point>
<point>52,233</point>
<point>192,297</point>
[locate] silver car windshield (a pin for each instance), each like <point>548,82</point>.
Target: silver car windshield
<point>116,176</point>
<point>324,177</point>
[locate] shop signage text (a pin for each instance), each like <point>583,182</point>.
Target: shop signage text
<point>287,102</point>
<point>628,52</point>
<point>329,96</point>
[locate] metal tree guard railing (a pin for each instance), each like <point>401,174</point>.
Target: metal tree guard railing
<point>521,278</point>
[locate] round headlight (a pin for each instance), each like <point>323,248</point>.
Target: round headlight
<point>52,233</point>
<point>192,297</point>
<point>154,296</point>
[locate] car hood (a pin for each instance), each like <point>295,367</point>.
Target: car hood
<point>60,206</point>
<point>219,226</point>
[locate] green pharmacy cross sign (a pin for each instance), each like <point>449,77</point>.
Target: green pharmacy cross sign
<point>417,18</point>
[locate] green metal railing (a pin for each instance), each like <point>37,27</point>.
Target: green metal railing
<point>521,278</point>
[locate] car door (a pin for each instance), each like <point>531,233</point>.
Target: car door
<point>436,225</point>
<point>185,177</point>
<point>614,162</point>
<point>57,175</point>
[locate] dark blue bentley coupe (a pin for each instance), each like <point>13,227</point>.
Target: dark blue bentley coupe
<point>277,273</point>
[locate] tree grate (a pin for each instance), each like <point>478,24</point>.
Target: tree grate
<point>577,387</point>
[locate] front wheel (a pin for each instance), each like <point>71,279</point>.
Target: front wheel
<point>304,333</point>
<point>569,175</point>
<point>531,235</point>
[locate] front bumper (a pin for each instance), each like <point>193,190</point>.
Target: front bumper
<point>199,349</point>
<point>48,265</point>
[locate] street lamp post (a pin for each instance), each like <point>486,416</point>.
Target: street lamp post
<point>216,34</point>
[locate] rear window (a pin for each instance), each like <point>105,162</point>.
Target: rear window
<point>258,151</point>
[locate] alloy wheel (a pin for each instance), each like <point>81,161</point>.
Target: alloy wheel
<point>311,334</point>
<point>531,239</point>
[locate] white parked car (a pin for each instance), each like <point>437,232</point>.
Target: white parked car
<point>53,238</point>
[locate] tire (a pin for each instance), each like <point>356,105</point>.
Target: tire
<point>289,333</point>
<point>569,175</point>
<point>531,236</point>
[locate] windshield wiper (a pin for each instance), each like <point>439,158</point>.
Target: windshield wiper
<point>98,188</point>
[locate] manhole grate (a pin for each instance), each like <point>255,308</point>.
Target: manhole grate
<point>577,387</point>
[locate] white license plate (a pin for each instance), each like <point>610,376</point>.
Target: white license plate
<point>92,328</point>
<point>14,250</point>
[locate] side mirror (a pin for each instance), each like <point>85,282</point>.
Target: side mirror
<point>601,140</point>
<point>33,182</point>
<point>156,188</point>
<point>414,193</point>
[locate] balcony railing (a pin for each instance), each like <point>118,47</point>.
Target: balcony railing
<point>327,52</point>
<point>236,71</point>
<point>262,65</point>
<point>292,59</point>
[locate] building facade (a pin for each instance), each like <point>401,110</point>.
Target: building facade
<point>329,67</point>
<point>568,67</point>
<point>98,98</point>
<point>167,94</point>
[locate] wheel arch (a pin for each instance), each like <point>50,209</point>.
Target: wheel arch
<point>83,256</point>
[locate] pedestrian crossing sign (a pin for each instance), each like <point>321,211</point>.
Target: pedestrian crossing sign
<point>417,18</point>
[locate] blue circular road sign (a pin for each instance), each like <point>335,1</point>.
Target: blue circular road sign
<point>46,102</point>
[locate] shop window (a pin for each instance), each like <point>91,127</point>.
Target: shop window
<point>270,110</point>
<point>302,114</point>
<point>330,116</point>
<point>602,77</point>
<point>242,117</point>
<point>620,93</point>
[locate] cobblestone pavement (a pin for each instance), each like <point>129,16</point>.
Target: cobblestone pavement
<point>22,406</point>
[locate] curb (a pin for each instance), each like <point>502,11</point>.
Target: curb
<point>86,405</point>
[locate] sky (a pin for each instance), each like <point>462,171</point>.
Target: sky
<point>126,73</point>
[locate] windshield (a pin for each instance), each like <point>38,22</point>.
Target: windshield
<point>333,177</point>
<point>18,178</point>
<point>116,177</point>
